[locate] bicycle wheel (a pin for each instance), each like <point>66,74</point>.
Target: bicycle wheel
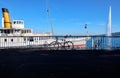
<point>54,45</point>
<point>68,45</point>
<point>60,46</point>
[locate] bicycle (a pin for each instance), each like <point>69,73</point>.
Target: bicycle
<point>63,45</point>
<point>66,45</point>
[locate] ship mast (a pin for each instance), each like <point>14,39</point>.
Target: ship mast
<point>50,18</point>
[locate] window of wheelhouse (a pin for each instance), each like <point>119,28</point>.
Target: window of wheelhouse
<point>14,22</point>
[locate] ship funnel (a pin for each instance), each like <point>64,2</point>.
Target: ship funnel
<point>6,17</point>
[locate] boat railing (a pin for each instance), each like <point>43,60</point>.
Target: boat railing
<point>78,42</point>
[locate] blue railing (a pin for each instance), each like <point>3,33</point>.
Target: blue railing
<point>104,42</point>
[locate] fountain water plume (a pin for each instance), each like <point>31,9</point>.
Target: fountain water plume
<point>109,22</point>
<point>109,29</point>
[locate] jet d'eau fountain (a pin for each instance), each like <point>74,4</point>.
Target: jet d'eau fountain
<point>109,28</point>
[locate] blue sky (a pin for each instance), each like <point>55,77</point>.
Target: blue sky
<point>68,16</point>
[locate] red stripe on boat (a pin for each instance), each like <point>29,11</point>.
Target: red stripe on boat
<point>80,45</point>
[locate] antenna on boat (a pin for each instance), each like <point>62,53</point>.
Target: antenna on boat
<point>50,18</point>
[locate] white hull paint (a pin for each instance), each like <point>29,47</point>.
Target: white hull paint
<point>8,42</point>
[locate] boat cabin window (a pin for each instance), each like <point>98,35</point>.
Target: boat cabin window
<point>14,22</point>
<point>1,31</point>
<point>24,39</point>
<point>5,40</point>
<point>18,22</point>
<point>26,31</point>
<point>31,39</point>
<point>11,40</point>
<point>9,31</point>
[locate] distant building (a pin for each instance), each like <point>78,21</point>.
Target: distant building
<point>113,34</point>
<point>116,34</point>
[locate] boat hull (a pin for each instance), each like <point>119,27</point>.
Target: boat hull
<point>13,42</point>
